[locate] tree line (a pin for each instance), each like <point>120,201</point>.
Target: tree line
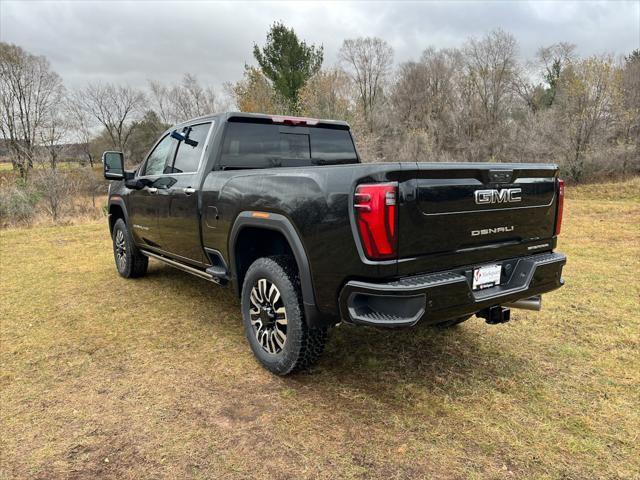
<point>480,102</point>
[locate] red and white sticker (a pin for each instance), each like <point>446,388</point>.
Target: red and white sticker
<point>487,276</point>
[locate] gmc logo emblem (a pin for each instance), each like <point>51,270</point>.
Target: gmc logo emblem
<point>505,195</point>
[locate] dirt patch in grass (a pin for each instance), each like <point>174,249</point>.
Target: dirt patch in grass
<point>103,377</point>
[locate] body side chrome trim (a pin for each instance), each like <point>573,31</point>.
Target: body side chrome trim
<point>492,209</point>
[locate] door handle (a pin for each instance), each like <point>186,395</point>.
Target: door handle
<point>152,189</point>
<point>189,190</point>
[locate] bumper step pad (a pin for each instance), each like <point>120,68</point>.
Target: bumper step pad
<point>436,297</point>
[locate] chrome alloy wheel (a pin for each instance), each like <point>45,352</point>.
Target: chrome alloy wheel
<point>268,316</point>
<point>121,250</point>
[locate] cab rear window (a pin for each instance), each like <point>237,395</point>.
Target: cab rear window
<point>260,145</point>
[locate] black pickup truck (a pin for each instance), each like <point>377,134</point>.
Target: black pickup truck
<point>282,209</point>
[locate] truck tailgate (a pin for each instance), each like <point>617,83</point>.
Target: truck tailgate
<point>447,208</point>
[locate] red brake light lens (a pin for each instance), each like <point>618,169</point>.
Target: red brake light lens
<point>560,206</point>
<point>376,217</point>
<point>294,120</point>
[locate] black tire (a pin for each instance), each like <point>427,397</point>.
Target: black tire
<point>130,262</point>
<point>302,346</point>
<point>452,322</point>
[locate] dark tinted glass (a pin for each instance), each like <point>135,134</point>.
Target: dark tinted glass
<point>158,158</point>
<point>332,145</point>
<point>254,145</point>
<point>113,163</point>
<point>190,151</point>
<point>295,145</point>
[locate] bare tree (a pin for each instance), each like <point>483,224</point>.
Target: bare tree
<point>159,95</point>
<point>114,107</point>
<point>328,95</point>
<point>254,93</point>
<point>80,124</point>
<point>87,182</point>
<point>55,129</point>
<point>553,59</point>
<point>408,95</point>
<point>425,96</point>
<point>185,100</point>
<point>586,94</point>
<point>629,111</point>
<point>491,69</point>
<point>54,186</point>
<point>369,61</point>
<point>191,100</point>
<point>29,93</point>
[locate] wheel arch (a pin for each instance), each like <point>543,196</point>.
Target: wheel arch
<point>117,209</point>
<point>274,229</point>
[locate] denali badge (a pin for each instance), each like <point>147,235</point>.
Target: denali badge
<point>505,195</point>
<point>489,231</point>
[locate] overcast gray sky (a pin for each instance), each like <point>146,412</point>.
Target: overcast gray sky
<point>131,42</point>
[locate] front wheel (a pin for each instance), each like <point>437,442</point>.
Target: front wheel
<point>130,262</point>
<point>274,319</point>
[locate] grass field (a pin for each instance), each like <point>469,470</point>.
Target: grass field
<point>153,378</point>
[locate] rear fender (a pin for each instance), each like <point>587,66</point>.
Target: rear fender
<point>281,224</point>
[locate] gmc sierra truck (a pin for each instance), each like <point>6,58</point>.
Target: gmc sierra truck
<point>283,210</point>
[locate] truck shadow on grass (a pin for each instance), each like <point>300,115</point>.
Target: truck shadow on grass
<point>386,363</point>
<point>418,371</point>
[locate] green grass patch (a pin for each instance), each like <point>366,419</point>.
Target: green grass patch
<point>104,377</point>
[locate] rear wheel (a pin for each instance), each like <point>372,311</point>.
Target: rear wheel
<point>130,262</point>
<point>273,317</point>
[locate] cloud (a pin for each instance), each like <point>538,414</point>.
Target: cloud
<point>133,42</point>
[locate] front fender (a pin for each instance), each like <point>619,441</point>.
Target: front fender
<point>119,201</point>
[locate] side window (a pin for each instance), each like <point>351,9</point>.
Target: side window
<point>158,158</point>
<point>250,145</point>
<point>190,150</point>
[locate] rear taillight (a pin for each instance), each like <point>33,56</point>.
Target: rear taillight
<point>376,216</point>
<point>560,206</point>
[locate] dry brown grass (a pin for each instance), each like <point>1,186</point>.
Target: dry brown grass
<point>83,199</point>
<point>153,378</point>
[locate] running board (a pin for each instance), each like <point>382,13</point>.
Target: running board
<point>185,268</point>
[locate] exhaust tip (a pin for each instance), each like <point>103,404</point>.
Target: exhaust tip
<point>532,303</point>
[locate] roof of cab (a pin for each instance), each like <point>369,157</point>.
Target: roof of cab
<point>226,116</point>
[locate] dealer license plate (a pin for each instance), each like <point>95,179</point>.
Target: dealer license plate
<point>486,277</point>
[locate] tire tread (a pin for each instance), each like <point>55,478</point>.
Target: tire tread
<point>309,345</point>
<point>137,263</point>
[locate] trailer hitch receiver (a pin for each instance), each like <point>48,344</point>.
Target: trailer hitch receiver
<point>495,315</point>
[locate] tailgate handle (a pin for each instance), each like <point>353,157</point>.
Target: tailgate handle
<point>500,176</point>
